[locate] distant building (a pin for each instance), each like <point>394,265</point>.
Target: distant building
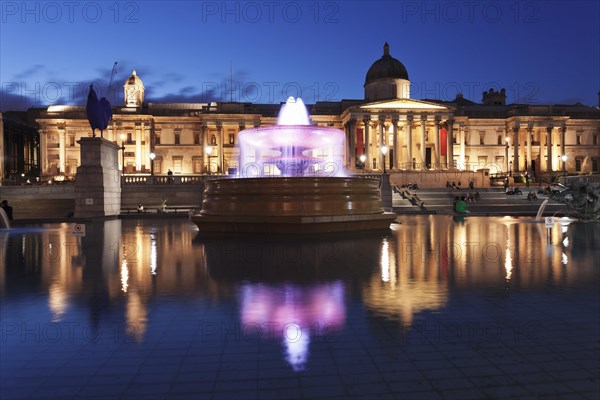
<point>197,138</point>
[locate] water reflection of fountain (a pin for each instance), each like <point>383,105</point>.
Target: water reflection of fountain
<point>293,314</point>
<point>292,291</point>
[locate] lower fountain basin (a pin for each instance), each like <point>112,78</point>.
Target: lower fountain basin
<point>296,205</point>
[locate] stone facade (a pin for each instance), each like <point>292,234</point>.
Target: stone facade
<point>459,134</point>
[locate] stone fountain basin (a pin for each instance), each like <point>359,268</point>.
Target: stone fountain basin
<point>292,205</point>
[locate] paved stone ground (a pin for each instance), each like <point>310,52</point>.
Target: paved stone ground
<point>531,346</point>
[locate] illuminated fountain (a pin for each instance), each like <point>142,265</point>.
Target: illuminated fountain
<point>292,181</point>
<point>293,147</point>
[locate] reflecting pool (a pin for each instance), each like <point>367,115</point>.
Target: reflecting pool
<point>439,308</point>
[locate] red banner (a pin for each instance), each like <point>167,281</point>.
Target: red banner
<point>443,139</point>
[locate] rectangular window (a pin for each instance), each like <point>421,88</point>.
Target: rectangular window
<point>500,140</point>
<point>578,139</point>
<point>72,140</point>
<point>177,165</point>
<point>578,164</point>
<point>157,138</point>
<point>129,138</point>
<point>197,162</point>
<point>595,165</point>
<point>231,138</point>
<point>196,138</point>
<point>177,137</point>
<point>595,140</point>
<point>482,137</point>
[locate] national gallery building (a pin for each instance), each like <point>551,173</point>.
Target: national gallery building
<point>201,138</point>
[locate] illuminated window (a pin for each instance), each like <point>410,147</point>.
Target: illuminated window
<point>578,164</point>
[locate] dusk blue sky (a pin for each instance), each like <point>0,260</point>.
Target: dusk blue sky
<point>189,51</point>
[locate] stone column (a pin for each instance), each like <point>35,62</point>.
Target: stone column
<point>437,152</point>
<point>529,139</point>
<point>563,131</point>
<point>423,125</point>
<point>450,144</point>
<point>220,152</point>
<point>382,139</point>
<point>409,121</point>
<point>395,141</point>
<point>515,148</point>
<point>461,156</point>
<point>98,181</point>
<point>205,142</point>
<point>138,150</point>
<point>62,149</point>
<point>549,149</point>
<point>366,121</point>
<point>352,143</point>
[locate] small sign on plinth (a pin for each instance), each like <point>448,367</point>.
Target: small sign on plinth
<point>78,230</point>
<point>549,222</point>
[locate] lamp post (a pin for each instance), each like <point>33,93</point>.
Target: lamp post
<point>122,136</point>
<point>152,157</point>
<point>208,150</point>
<point>564,164</point>
<point>384,150</point>
<point>362,159</point>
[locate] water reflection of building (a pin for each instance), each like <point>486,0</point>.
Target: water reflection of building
<point>117,262</point>
<point>430,256</point>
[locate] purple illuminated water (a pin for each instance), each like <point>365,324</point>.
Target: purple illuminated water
<point>293,147</point>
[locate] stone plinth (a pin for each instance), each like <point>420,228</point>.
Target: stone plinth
<point>98,181</point>
<point>386,192</point>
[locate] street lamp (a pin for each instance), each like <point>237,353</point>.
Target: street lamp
<point>152,157</point>
<point>208,150</point>
<point>384,150</point>
<point>564,164</point>
<point>362,159</point>
<point>122,153</point>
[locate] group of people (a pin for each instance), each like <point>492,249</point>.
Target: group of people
<point>457,186</point>
<point>7,209</point>
<point>510,190</point>
<point>411,186</point>
<point>473,197</point>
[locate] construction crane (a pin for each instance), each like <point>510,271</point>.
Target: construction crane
<point>112,77</point>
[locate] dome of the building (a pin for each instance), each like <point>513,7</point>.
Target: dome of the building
<point>387,67</point>
<point>134,91</point>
